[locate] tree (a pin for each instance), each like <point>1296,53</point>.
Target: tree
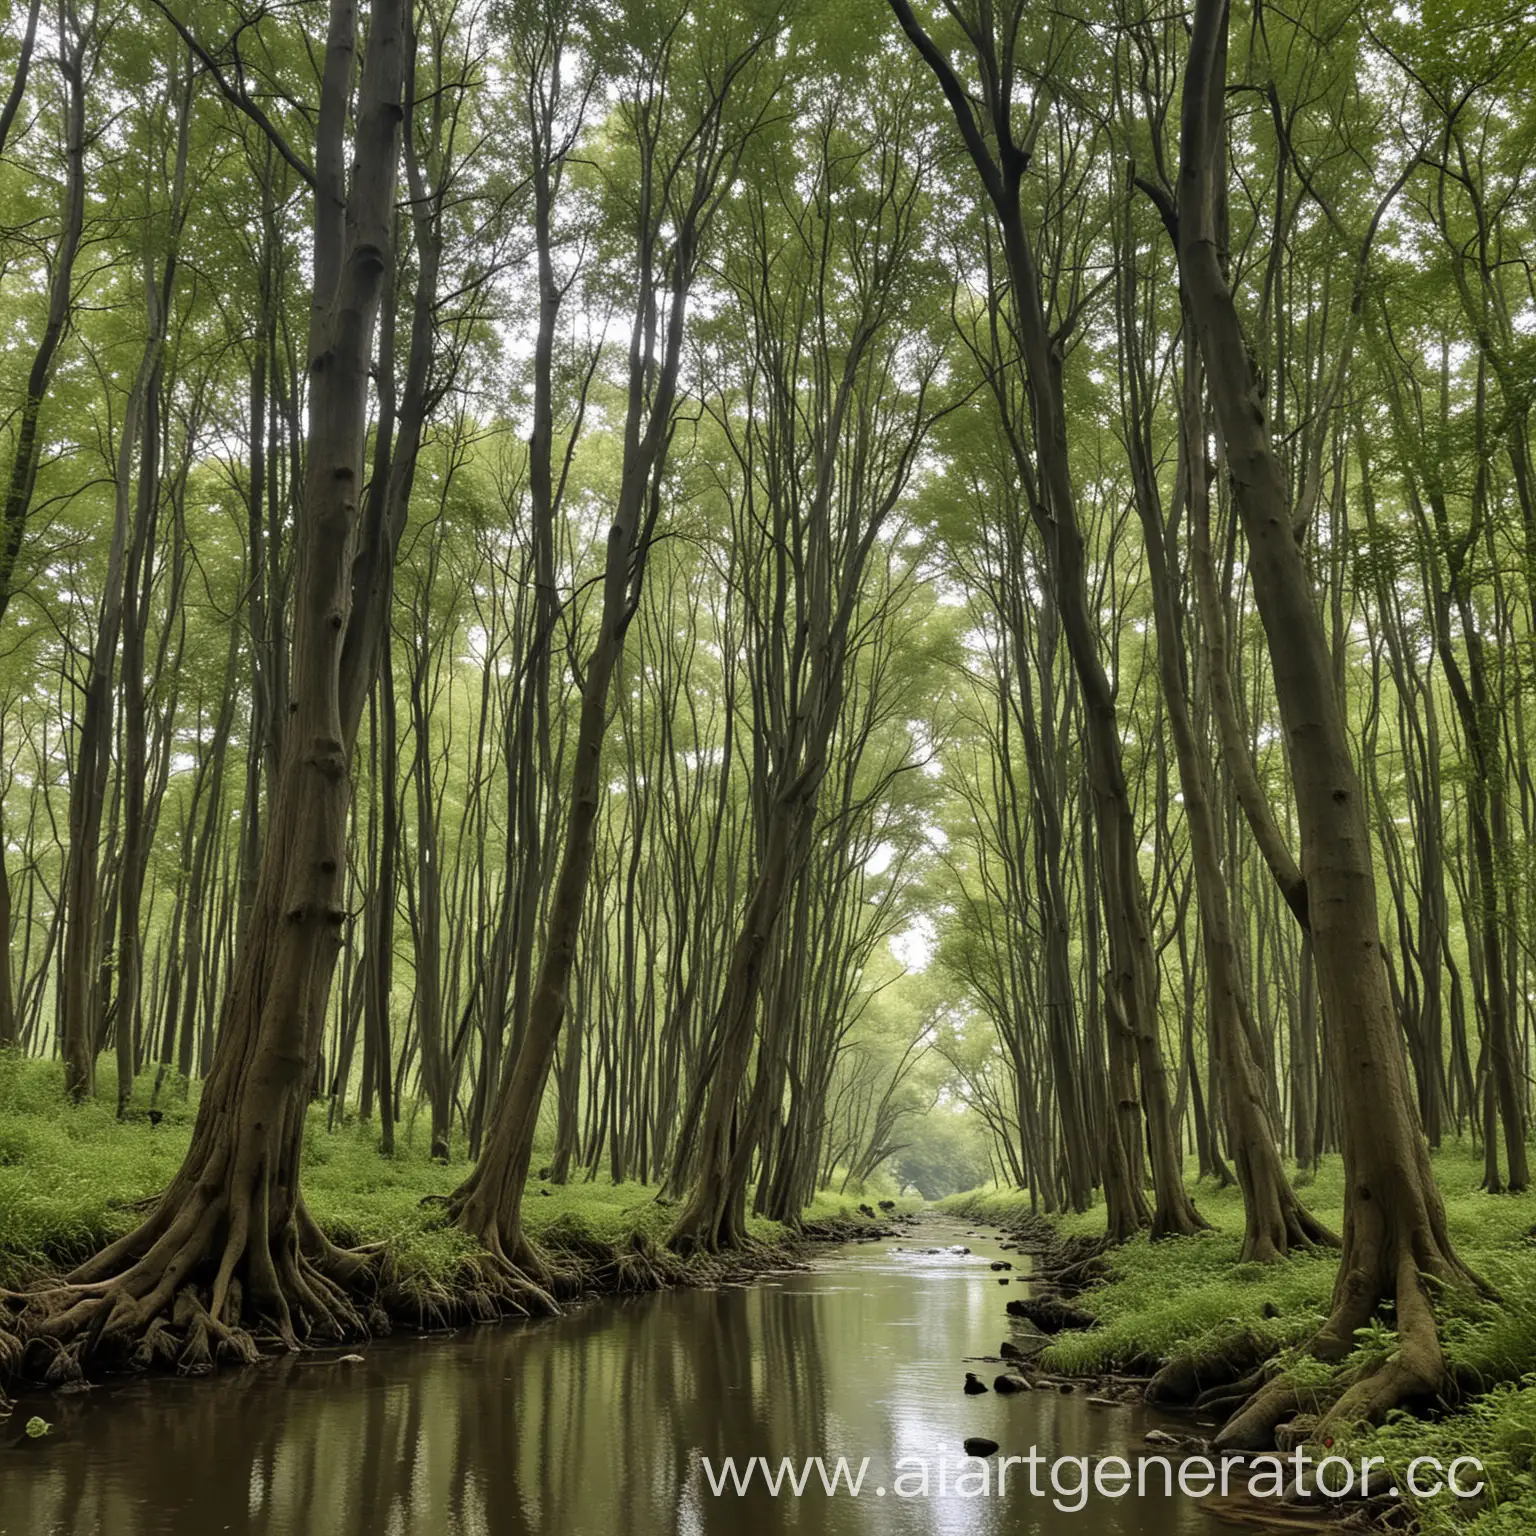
<point>232,1219</point>
<point>688,149</point>
<point>994,43</point>
<point>824,461</point>
<point>1395,1242</point>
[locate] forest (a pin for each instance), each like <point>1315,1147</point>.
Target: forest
<point>630,629</point>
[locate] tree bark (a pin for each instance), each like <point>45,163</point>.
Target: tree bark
<point>230,1238</point>
<point>1396,1245</point>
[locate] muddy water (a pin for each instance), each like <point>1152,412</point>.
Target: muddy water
<point>596,1423</point>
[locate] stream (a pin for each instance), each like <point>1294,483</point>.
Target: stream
<point>597,1422</point>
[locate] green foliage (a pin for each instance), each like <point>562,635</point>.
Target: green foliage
<point>1189,1290</point>
<point>1497,1428</point>
<point>946,1150</point>
<point>1181,1291</point>
<point>70,1178</point>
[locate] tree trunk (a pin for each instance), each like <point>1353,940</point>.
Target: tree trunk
<point>230,1239</point>
<point>1274,1220</point>
<point>1395,1240</point>
<point>8,1033</point>
<point>1053,503</point>
<point>76,39</point>
<point>671,226</point>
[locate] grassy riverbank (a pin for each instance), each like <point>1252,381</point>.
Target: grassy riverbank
<point>70,1178</point>
<point>1188,1296</point>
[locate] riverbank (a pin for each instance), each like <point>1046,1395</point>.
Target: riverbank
<point>616,1416</point>
<point>74,1178</point>
<point>1184,1302</point>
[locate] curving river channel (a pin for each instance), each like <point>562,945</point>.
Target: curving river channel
<point>599,1422</point>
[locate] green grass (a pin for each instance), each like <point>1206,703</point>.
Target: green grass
<point>68,1174</point>
<point>69,1177</point>
<point>1189,1293</point>
<point>830,1206</point>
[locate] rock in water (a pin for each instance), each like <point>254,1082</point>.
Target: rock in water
<point>1001,1264</point>
<point>1009,1350</point>
<point>979,1445</point>
<point>1006,1384</point>
<point>974,1384</point>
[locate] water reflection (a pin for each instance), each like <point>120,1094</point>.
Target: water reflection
<point>591,1423</point>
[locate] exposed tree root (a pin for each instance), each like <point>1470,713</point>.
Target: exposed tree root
<point>1281,1413</point>
<point>710,1224</point>
<point>193,1287</point>
<point>1229,1398</point>
<point>1276,1223</point>
<point>201,1280</point>
<point>10,1355</point>
<point>510,1277</point>
<point>1074,1277</point>
<point>1203,1378</point>
<point>694,1246</point>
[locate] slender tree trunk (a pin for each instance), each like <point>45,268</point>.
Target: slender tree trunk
<point>488,1204</point>
<point>75,41</point>
<point>1053,503</point>
<point>9,1036</point>
<point>1275,1221</point>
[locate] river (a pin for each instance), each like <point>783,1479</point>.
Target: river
<point>598,1423</point>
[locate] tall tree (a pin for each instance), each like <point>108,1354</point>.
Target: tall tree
<point>1396,1245</point>
<point>675,108</point>
<point>232,1218</point>
<point>1000,156</point>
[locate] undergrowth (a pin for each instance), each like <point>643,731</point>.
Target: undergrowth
<point>1189,1294</point>
<point>71,1178</point>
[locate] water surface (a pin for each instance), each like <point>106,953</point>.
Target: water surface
<point>595,1423</point>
